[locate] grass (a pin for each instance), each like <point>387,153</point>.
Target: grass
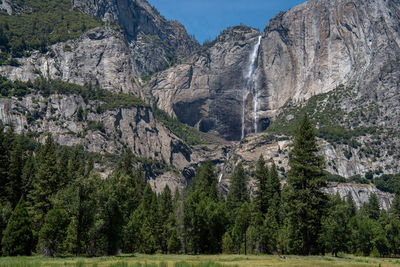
<point>198,261</point>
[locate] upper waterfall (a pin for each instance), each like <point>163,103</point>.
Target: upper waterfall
<point>250,88</point>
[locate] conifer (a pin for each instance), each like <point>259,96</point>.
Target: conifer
<point>306,201</point>
<point>17,237</point>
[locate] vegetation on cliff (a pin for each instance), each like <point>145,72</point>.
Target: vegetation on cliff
<point>35,24</point>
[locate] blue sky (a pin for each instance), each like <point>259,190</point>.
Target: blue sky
<point>207,18</point>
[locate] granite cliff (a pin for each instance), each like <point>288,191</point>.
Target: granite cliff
<point>334,60</point>
<point>306,51</point>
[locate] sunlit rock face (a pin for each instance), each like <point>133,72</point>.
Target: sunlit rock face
<point>308,50</point>
<point>315,46</point>
<point>155,42</point>
<point>207,91</point>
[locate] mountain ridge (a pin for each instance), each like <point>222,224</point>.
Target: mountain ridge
<point>203,86</point>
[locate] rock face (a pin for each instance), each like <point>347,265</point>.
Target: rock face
<point>314,47</point>
<point>207,91</point>
<point>116,60</point>
<point>155,43</point>
<point>309,50</point>
<point>111,131</point>
<point>100,56</point>
<point>360,193</point>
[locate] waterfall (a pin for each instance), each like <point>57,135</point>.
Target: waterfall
<point>220,178</point>
<point>251,87</point>
<point>221,174</point>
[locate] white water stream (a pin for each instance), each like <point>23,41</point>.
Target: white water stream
<point>251,87</point>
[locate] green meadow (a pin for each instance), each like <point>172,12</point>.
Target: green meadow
<point>198,261</point>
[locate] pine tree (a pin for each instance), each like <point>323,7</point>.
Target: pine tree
<point>28,174</point>
<point>143,225</point>
<point>46,182</point>
<point>125,165</point>
<point>206,181</point>
<point>79,198</point>
<point>364,234</point>
<point>395,208</point>
<point>109,218</point>
<point>132,237</point>
<point>112,226</point>
<point>274,197</point>
<point>71,244</point>
<point>269,235</point>
<point>305,179</point>
<point>3,163</point>
<point>5,214</point>
<point>53,232</point>
<point>204,218</point>
<point>63,171</point>
<point>242,222</point>
<point>260,195</point>
<point>227,244</point>
<point>238,192</point>
<point>165,211</point>
<point>148,243</point>
<point>76,163</point>
<point>89,166</point>
<point>269,231</point>
<point>273,184</point>
<point>174,244</point>
<point>351,205</point>
<point>17,238</point>
<point>335,231</point>
<point>393,235</point>
<point>372,208</point>
<point>79,114</point>
<point>16,164</point>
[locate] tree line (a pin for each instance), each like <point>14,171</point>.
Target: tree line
<point>54,202</point>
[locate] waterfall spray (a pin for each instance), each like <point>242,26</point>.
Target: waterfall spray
<point>251,87</point>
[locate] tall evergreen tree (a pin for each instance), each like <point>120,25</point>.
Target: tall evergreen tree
<point>80,200</point>
<point>260,195</point>
<point>306,177</point>
<point>351,205</point>
<point>46,183</point>
<point>273,184</point>
<point>238,192</point>
<point>242,222</point>
<point>63,170</point>
<point>16,164</point>
<point>274,196</point>
<point>4,150</point>
<point>372,208</point>
<point>206,181</point>
<point>76,163</point>
<point>273,217</point>
<point>142,228</point>
<point>5,214</point>
<point>28,174</point>
<point>393,235</point>
<point>395,208</point>
<point>174,243</point>
<point>165,218</point>
<point>17,238</point>
<point>204,223</point>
